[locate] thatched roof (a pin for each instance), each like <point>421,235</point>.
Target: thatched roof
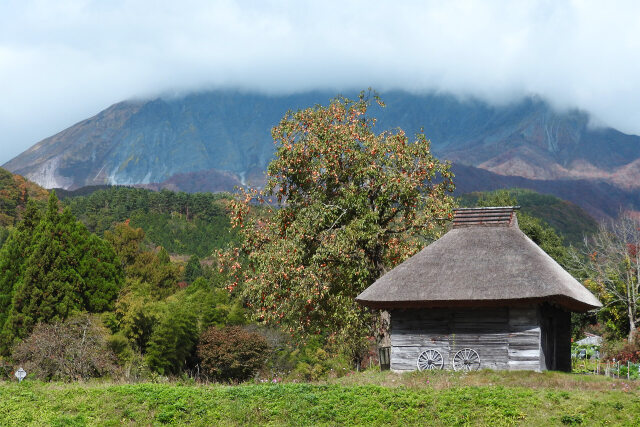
<point>485,260</point>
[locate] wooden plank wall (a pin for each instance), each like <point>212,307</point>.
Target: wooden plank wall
<point>524,339</point>
<point>504,338</point>
<point>555,338</point>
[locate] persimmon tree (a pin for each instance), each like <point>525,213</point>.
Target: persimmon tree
<point>341,206</point>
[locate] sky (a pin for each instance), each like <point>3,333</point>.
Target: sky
<point>62,61</point>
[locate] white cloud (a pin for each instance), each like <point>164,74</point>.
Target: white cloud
<point>63,61</point>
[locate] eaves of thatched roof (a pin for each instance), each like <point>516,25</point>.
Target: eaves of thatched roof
<point>481,264</point>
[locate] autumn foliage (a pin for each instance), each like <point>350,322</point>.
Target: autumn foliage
<point>341,206</point>
<point>75,349</point>
<point>231,353</point>
<point>612,272</point>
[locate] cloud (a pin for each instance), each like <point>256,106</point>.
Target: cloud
<point>63,61</point>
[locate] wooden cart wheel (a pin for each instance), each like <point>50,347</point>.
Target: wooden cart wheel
<point>466,359</point>
<point>430,359</point>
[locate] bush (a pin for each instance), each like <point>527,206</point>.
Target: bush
<point>311,360</point>
<point>314,362</point>
<point>173,340</point>
<point>71,350</point>
<point>622,350</point>
<point>121,348</point>
<point>231,353</point>
<point>6,370</point>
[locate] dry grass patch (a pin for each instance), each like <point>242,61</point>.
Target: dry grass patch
<point>440,380</point>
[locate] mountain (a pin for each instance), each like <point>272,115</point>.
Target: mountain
<point>141,142</point>
<point>224,136</point>
<point>207,181</point>
<point>137,142</point>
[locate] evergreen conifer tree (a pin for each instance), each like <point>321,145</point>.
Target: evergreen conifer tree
<point>193,270</point>
<point>13,255</point>
<point>61,269</point>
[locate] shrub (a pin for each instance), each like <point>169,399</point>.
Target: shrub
<point>314,362</point>
<point>622,350</point>
<point>71,350</point>
<point>6,370</point>
<point>173,340</point>
<point>231,353</point>
<point>121,348</point>
<point>311,360</point>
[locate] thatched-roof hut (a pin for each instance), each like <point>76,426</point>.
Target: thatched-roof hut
<point>482,296</point>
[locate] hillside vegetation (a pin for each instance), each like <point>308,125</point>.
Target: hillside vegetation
<point>440,398</point>
<point>193,224</point>
<point>570,221</point>
<point>15,192</point>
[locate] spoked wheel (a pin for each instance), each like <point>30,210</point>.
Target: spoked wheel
<point>466,359</point>
<point>430,360</point>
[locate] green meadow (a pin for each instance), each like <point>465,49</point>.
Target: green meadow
<point>368,398</point>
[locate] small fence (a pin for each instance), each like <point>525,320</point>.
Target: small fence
<point>586,360</point>
<point>608,368</point>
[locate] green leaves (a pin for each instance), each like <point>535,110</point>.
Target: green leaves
<point>351,205</point>
<point>181,223</point>
<point>173,339</point>
<point>53,267</point>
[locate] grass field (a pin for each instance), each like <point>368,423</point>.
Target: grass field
<point>369,398</point>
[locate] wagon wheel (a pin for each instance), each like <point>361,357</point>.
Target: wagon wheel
<point>430,359</point>
<point>466,359</point>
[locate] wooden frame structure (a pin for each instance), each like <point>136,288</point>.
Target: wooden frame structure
<point>483,286</point>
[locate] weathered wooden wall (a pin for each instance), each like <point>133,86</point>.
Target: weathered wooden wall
<point>524,339</point>
<point>505,338</point>
<point>555,338</point>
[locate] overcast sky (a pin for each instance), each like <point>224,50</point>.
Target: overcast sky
<point>62,61</point>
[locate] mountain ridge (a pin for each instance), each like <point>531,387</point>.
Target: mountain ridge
<point>226,134</point>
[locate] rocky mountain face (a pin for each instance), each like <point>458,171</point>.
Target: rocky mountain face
<point>225,137</point>
<point>146,142</point>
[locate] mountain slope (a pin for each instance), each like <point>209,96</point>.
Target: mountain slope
<point>141,143</point>
<point>600,199</point>
<point>144,142</point>
<point>569,220</point>
<point>15,191</point>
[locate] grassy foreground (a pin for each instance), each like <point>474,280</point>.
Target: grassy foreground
<point>370,398</point>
